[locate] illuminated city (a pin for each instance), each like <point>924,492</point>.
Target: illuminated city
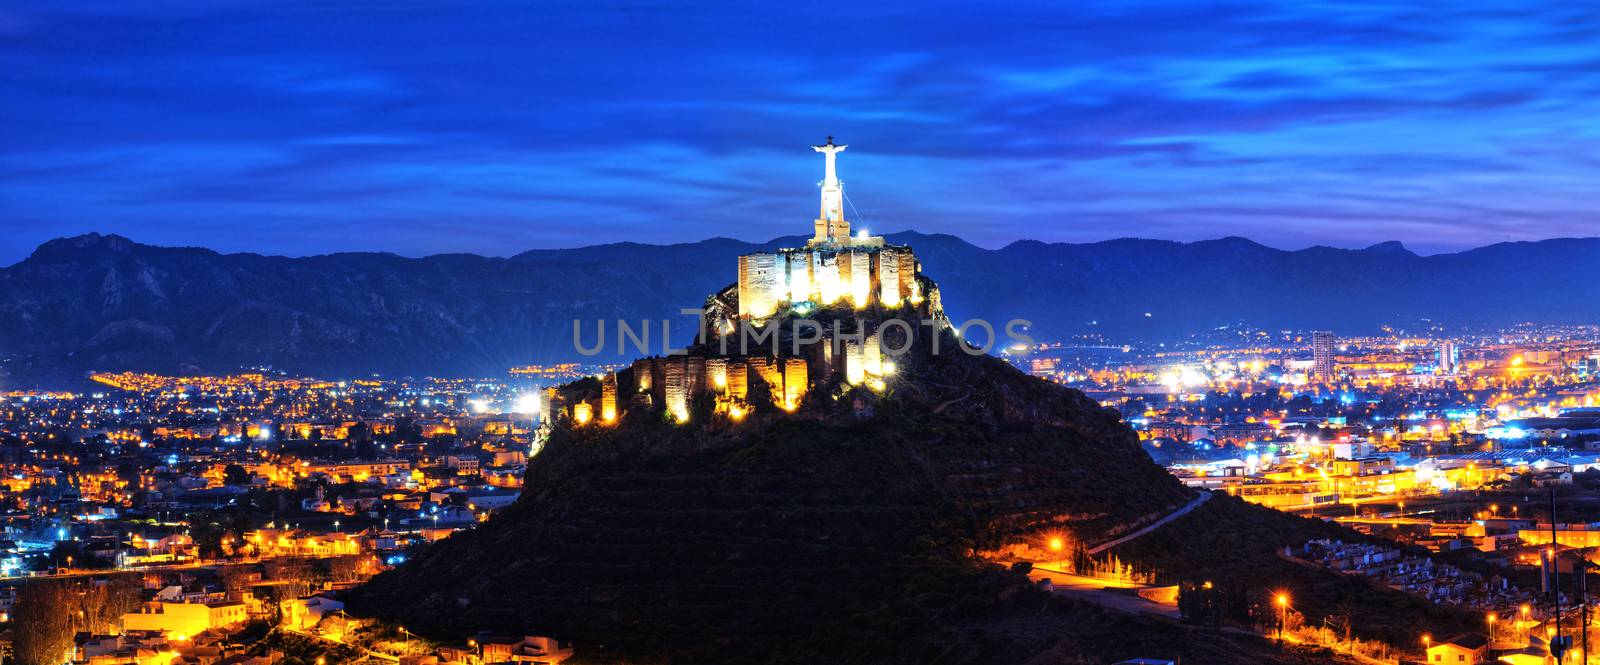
<point>600,334</point>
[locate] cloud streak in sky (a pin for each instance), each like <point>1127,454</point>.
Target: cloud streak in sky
<point>497,127</point>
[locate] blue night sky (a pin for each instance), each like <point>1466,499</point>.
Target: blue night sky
<point>493,128</point>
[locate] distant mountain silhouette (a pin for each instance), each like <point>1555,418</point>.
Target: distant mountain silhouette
<point>106,302</point>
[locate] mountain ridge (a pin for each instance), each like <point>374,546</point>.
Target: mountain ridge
<point>105,302</point>
<point>116,239</point>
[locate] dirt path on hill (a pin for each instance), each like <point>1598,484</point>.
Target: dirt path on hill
<point>1185,510</point>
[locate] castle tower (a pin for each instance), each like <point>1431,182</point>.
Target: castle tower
<point>795,381</point>
<point>759,285</point>
<point>908,277</point>
<point>641,375</point>
<point>855,364</point>
<point>717,374</point>
<point>738,378</point>
<point>551,404</point>
<point>858,265</point>
<point>872,354</point>
<point>889,277</point>
<point>677,392</point>
<point>694,373</point>
<point>608,398</point>
<point>830,224</point>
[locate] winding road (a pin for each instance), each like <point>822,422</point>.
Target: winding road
<point>1185,510</point>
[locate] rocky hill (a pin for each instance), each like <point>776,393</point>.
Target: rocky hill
<point>843,532</point>
<point>787,534</point>
<point>105,302</point>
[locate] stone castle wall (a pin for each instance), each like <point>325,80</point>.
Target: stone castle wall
<point>864,275</point>
<point>673,383</point>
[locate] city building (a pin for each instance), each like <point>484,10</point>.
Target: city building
<point>1468,649</point>
<point>185,619</point>
<point>1322,348</point>
<point>1449,358</point>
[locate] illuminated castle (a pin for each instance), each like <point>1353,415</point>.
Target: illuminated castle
<point>833,267</point>
<point>863,295</point>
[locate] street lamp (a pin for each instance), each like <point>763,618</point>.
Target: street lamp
<point>1427,642</point>
<point>1492,618</point>
<point>1283,612</point>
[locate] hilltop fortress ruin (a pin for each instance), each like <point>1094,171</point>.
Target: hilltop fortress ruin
<point>832,314</point>
<point>833,267</point>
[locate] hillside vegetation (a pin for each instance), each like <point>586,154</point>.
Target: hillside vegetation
<point>844,532</point>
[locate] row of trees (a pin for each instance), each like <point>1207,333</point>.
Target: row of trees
<point>49,612</point>
<point>1110,567</point>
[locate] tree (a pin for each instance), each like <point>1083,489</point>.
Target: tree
<point>98,605</point>
<point>236,579</point>
<point>345,568</point>
<point>207,531</point>
<point>361,436</point>
<point>1349,603</point>
<point>233,474</point>
<point>43,624</point>
<point>238,524</point>
<point>124,595</point>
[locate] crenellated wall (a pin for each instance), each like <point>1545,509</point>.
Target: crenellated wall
<point>673,383</point>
